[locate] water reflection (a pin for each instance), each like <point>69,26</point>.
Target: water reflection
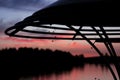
<point>88,72</point>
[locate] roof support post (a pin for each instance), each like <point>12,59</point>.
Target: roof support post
<point>98,51</point>
<point>106,44</point>
<point>117,66</point>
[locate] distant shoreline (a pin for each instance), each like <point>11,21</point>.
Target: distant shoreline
<point>24,54</point>
<point>28,61</point>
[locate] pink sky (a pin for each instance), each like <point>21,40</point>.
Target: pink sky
<point>75,47</point>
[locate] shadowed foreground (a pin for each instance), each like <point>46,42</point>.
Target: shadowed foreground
<point>33,62</point>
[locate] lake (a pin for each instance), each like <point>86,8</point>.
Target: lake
<point>87,72</point>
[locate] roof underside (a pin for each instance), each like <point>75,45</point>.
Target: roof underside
<point>80,12</point>
<point>94,13</point>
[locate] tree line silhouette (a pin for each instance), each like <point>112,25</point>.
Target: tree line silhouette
<point>29,61</point>
<point>46,57</point>
<point>37,56</point>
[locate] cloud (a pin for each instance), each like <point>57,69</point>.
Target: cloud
<point>6,38</point>
<point>4,25</point>
<point>13,11</point>
<point>20,2</point>
<point>25,4</point>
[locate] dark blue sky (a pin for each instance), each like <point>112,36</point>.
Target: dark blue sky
<point>12,11</point>
<point>25,4</point>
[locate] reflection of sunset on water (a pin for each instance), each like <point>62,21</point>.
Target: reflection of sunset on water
<point>88,72</point>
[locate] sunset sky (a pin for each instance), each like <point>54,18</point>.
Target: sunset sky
<point>13,11</point>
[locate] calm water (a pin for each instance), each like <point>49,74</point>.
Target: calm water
<point>88,72</point>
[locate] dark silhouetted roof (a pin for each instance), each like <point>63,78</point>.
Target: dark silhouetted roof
<point>91,13</point>
<point>81,12</point>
